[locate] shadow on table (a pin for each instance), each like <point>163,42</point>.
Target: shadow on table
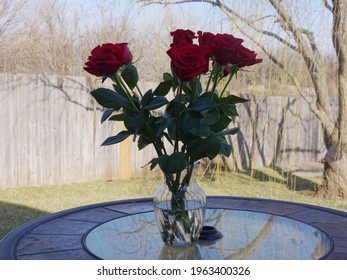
<point>14,215</point>
<point>288,178</point>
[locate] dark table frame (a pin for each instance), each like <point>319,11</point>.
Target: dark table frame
<point>60,235</point>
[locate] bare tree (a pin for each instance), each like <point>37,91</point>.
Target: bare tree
<point>9,29</point>
<point>302,41</point>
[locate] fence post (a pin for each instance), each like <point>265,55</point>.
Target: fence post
<point>125,166</point>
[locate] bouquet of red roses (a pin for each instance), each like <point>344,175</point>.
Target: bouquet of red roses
<point>195,122</point>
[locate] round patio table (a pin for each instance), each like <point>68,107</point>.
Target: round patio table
<point>252,229</point>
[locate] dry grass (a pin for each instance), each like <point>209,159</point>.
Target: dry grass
<point>21,205</point>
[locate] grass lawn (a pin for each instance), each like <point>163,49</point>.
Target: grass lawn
<point>21,205</point>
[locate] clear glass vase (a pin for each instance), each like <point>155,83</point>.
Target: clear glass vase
<point>180,208</point>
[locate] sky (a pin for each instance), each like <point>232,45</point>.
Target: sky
<point>153,13</point>
<point>199,16</point>
<point>310,14</point>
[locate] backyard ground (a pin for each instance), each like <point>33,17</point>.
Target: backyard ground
<point>296,184</point>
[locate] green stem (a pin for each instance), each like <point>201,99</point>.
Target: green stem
<point>233,71</point>
<point>170,182</point>
<point>157,144</point>
<point>197,82</point>
<point>139,90</point>
<point>159,147</point>
<point>209,79</point>
<point>120,82</point>
<point>216,78</point>
<point>177,182</point>
<point>226,85</point>
<point>178,109</point>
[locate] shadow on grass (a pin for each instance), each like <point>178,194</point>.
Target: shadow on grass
<point>286,177</point>
<point>14,215</point>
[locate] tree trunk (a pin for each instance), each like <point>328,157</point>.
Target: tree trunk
<point>335,162</point>
<point>335,178</point>
<point>335,172</point>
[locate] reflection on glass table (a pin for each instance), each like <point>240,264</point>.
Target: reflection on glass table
<point>246,235</point>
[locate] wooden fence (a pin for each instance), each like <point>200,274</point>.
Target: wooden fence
<point>51,134</point>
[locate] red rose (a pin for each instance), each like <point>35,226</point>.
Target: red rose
<point>182,37</point>
<point>205,38</point>
<point>224,48</point>
<point>105,60</point>
<point>245,57</point>
<point>188,61</point>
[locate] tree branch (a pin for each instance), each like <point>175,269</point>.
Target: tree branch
<point>8,13</point>
<point>316,77</point>
<point>316,110</point>
<point>297,33</point>
<point>310,38</point>
<point>226,10</point>
<point>327,5</point>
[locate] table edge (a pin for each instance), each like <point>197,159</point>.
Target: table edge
<point>9,243</point>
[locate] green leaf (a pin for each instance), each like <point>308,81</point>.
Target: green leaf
<point>143,142</point>
<point>230,110</point>
<point>231,131</point>
<point>199,130</point>
<point>174,163</point>
<point>159,160</point>
<point>148,96</point>
<point>162,123</point>
<point>171,108</point>
<point>167,77</point>
<point>188,138</point>
<point>156,103</point>
<point>202,104</point>
<point>130,75</point>
<point>187,88</point>
<point>119,90</point>
<point>210,117</point>
<point>193,125</point>
<point>119,117</point>
<point>187,122</point>
<point>171,129</point>
<point>109,98</point>
<point>106,114</point>
<point>154,162</point>
<point>213,146</point>
<point>221,124</point>
<point>163,88</point>
<point>171,164</point>
<point>232,99</point>
<point>116,139</point>
<point>197,149</point>
<point>213,96</point>
<point>225,148</point>
<point>192,89</point>
<point>136,122</point>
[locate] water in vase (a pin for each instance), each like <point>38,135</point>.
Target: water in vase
<point>180,227</point>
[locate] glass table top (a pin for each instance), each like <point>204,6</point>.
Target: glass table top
<point>246,235</point>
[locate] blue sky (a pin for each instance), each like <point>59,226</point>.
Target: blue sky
<point>149,14</point>
<point>202,16</point>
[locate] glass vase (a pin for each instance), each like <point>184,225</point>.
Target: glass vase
<point>179,206</point>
